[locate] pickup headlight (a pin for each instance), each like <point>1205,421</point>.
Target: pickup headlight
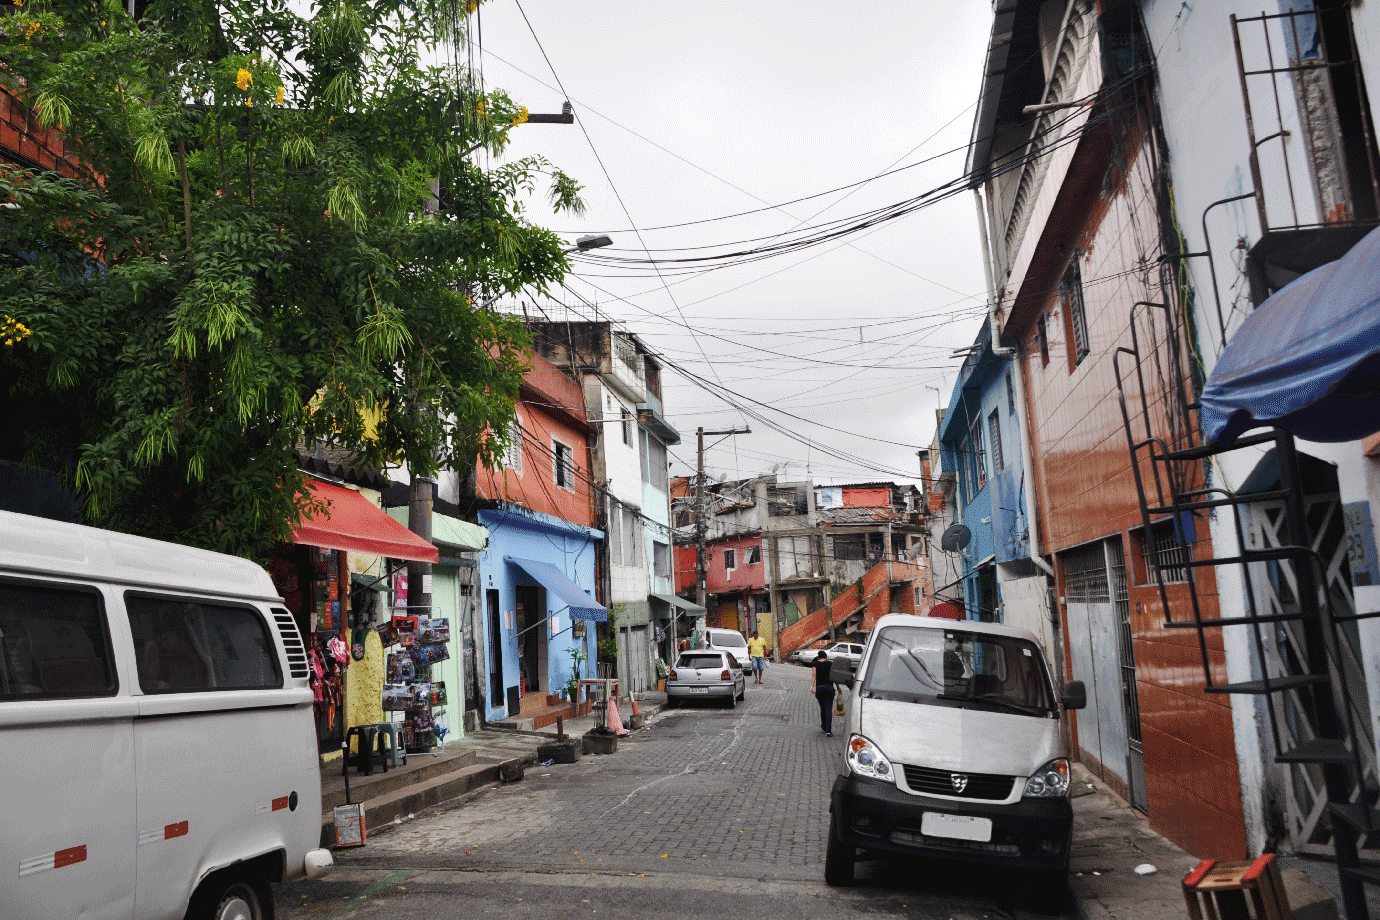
<point>865,759</point>
<point>1050,781</point>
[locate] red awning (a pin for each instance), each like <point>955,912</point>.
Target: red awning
<point>356,525</point>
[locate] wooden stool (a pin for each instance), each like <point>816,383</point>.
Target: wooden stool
<point>1228,890</point>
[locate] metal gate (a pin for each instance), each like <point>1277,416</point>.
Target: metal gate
<point>1130,694</point>
<point>1099,635</point>
<point>1304,796</point>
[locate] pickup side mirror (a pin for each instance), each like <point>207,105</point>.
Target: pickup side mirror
<point>841,672</point>
<point>1075,695</point>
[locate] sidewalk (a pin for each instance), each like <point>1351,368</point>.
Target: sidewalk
<point>649,703</point>
<point>1111,839</point>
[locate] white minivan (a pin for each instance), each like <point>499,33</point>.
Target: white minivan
<point>156,719</point>
<point>731,641</point>
<point>955,749</point>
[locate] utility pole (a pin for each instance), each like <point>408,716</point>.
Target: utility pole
<point>701,525</point>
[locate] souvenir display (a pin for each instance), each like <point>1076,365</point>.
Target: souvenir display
<point>415,644</point>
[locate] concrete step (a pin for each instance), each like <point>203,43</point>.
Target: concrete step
<point>382,807</point>
<point>419,769</point>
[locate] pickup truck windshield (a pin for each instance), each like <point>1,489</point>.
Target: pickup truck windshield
<point>954,667</point>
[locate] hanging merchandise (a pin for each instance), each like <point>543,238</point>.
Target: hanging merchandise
<point>414,647</point>
<point>338,649</point>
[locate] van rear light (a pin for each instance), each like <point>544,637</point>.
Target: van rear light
<point>725,674</point>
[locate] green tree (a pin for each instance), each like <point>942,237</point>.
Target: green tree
<point>250,259</point>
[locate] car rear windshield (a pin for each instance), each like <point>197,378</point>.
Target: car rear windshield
<point>701,661</point>
<point>728,640</point>
<point>959,668</point>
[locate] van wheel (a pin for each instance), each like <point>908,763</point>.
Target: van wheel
<point>839,858</point>
<point>232,896</point>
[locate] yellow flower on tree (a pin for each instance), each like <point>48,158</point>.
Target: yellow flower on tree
<point>243,79</point>
<point>470,7</point>
<point>520,116</point>
<point>279,98</point>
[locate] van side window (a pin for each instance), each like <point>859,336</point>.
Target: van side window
<point>185,645</point>
<point>53,642</point>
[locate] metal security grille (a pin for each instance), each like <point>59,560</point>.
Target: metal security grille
<point>1085,575</point>
<point>991,786</point>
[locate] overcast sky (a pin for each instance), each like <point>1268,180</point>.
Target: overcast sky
<point>767,123</point>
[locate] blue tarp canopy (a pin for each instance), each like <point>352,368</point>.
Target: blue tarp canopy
<point>582,606</point>
<point>1307,360</point>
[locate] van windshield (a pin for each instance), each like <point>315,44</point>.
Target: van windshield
<point>953,667</point>
<point>728,639</point>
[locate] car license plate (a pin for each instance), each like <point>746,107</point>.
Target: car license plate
<point>699,689</point>
<point>956,827</point>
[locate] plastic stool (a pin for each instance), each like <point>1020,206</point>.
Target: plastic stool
<point>1228,891</point>
<point>369,750</point>
<point>393,732</point>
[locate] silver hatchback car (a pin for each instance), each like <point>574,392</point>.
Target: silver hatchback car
<point>705,674</point>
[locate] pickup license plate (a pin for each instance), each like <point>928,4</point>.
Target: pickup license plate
<point>956,827</point>
<point>699,689</point>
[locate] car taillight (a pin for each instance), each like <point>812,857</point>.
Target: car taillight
<point>725,675</point>
<point>672,675</point>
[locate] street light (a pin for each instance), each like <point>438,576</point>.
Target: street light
<point>592,241</point>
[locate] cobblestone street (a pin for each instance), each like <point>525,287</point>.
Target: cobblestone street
<point>703,809</point>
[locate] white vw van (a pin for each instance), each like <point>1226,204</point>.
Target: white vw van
<point>157,729</point>
<point>955,749</point>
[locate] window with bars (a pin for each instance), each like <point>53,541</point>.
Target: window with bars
<point>627,426</point>
<point>977,467</point>
<point>1010,395</point>
<point>661,560</point>
<point>1042,338</point>
<point>1085,575</point>
<point>994,436</point>
<point>850,546</point>
<point>1163,547</point>
<point>1071,295</point>
<point>730,560</point>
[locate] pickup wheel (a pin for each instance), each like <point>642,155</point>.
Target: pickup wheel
<point>232,895</point>
<point>839,858</point>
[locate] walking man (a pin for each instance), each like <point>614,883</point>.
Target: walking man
<point>823,690</point>
<point>757,648</point>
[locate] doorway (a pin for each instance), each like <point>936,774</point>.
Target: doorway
<point>491,602</point>
<point>532,644</point>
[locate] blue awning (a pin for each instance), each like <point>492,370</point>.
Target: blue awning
<point>582,606</point>
<point>1307,360</point>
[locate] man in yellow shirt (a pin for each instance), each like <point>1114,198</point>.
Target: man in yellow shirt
<point>757,648</point>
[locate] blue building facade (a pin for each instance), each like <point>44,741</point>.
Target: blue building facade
<point>538,583</point>
<point>980,442</point>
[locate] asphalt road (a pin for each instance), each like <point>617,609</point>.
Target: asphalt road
<point>707,813</point>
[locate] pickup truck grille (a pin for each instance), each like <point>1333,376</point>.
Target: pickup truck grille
<point>990,786</point>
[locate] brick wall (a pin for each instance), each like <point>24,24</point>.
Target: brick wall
<point>24,141</point>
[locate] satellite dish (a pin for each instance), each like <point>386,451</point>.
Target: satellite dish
<point>955,539</point>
